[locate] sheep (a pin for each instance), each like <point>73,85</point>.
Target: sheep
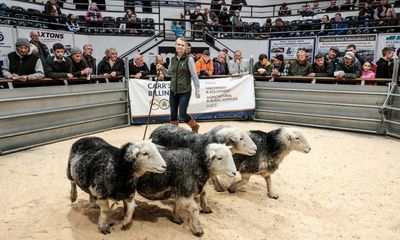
<point>186,175</point>
<point>272,148</point>
<point>106,172</point>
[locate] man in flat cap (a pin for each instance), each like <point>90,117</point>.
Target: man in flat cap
<point>20,65</point>
<point>332,57</point>
<point>349,67</point>
<point>79,65</point>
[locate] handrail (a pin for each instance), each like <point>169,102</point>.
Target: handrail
<point>313,80</point>
<point>141,44</point>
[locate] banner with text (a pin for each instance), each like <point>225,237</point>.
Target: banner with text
<point>220,98</point>
<point>6,42</point>
<point>288,47</point>
<point>388,40</point>
<point>366,44</point>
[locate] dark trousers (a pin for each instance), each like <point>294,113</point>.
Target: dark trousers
<point>179,101</point>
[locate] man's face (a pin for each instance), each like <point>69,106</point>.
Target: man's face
<point>390,55</point>
<point>301,56</point>
<point>88,50</point>
<point>197,10</point>
<point>113,55</point>
<point>320,62</point>
<point>337,18</point>
<point>23,50</point>
<point>348,61</point>
<point>279,23</point>
<point>206,10</point>
<point>277,62</point>
<point>221,58</point>
<point>350,49</point>
<point>264,61</point>
<point>238,55</point>
<point>139,61</point>
<point>188,49</point>
<point>35,37</point>
<point>332,54</point>
<point>59,53</point>
<point>77,57</point>
<point>159,60</point>
<point>206,58</point>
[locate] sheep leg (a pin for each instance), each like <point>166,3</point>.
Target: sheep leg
<point>236,185</point>
<point>73,194</point>
<point>271,194</point>
<point>129,209</point>
<point>103,226</point>
<point>203,202</point>
<point>92,200</point>
<point>176,217</point>
<point>217,185</point>
<point>190,214</point>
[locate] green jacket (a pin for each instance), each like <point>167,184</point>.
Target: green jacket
<point>352,71</point>
<point>181,77</point>
<point>296,69</point>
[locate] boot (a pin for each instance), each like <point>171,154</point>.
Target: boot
<point>193,125</point>
<point>175,122</point>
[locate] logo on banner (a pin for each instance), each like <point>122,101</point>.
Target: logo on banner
<point>156,104</point>
<point>164,104</point>
<point>391,38</point>
<point>1,38</point>
<point>51,35</point>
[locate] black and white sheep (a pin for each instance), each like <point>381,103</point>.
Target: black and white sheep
<point>272,148</point>
<point>186,175</point>
<point>106,172</point>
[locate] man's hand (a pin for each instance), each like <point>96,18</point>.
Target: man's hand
<point>69,75</point>
<point>23,78</point>
<point>14,76</point>
<point>113,74</point>
<point>138,75</point>
<point>311,74</point>
<point>341,76</point>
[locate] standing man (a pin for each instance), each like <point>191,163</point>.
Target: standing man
<point>384,68</point>
<point>20,65</point>
<point>238,64</point>
<point>43,50</point>
<point>58,66</point>
<point>88,56</point>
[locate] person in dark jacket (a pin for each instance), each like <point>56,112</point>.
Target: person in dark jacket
<point>52,6</point>
<point>237,5</point>
<point>384,68</point>
<point>220,65</point>
<point>352,48</point>
<point>332,57</point>
<point>88,56</point>
<point>321,68</point>
<point>20,65</point>
<point>262,66</point>
<point>216,6</point>
<point>349,67</point>
<point>43,50</point>
<point>58,66</point>
<point>111,65</point>
<point>138,67</point>
<point>278,67</point>
<point>79,65</point>
<point>159,60</point>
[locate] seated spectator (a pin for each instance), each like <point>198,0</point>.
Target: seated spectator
<point>198,26</point>
<point>211,18</point>
<point>72,24</point>
<point>347,6</point>
<point>307,14</point>
<point>384,68</point>
<point>205,65</point>
<point>262,66</point>
<point>3,8</point>
<point>128,14</point>
<point>220,65</point>
<point>93,16</point>
<point>133,24</point>
<point>56,22</point>
<point>367,72</point>
<point>324,29</point>
<point>177,28</point>
<point>332,58</point>
<point>52,6</point>
<point>348,68</point>
<point>238,65</point>
<point>88,56</point>
<point>381,11</point>
<point>301,66</point>
<point>390,23</point>
<point>366,16</point>
<point>43,50</point>
<point>352,48</point>
<point>79,65</point>
<point>278,67</point>
<point>20,65</point>
<point>236,21</point>
<point>267,26</point>
<point>216,6</point>
<point>190,53</point>
<point>225,21</point>
<point>279,29</point>
<point>332,7</point>
<point>338,26</point>
<point>316,8</point>
<point>58,66</point>
<point>321,68</point>
<point>138,67</point>
<point>111,65</point>
<point>284,10</point>
<point>195,15</point>
<point>159,60</point>
<point>237,5</point>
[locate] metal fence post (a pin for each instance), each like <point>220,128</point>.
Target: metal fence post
<point>395,70</point>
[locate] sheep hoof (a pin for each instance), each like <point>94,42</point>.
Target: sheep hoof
<point>126,226</point>
<point>199,233</point>
<point>206,210</point>
<point>219,189</point>
<point>231,189</point>
<point>177,220</point>
<point>273,195</point>
<point>105,229</point>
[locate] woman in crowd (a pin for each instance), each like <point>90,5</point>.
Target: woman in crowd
<point>93,16</point>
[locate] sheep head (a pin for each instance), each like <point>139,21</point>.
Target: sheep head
<point>239,139</point>
<point>295,140</point>
<point>220,159</point>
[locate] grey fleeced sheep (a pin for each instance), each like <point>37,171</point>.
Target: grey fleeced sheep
<point>272,148</point>
<point>106,172</point>
<point>186,175</point>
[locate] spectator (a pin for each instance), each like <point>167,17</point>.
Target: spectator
<point>321,68</point>
<point>3,8</point>
<point>72,24</point>
<point>128,14</point>
<point>238,65</point>
<point>384,67</point>
<point>338,26</point>
<point>267,26</point>
<point>316,8</point>
<point>366,17</point>
<point>93,16</point>
<point>237,5</point>
<point>88,56</point>
<point>216,6</point>
<point>284,10</point>
<point>348,68</point>
<point>220,65</point>
<point>189,51</point>
<point>133,24</point>
<point>52,8</point>
<point>138,67</point>
<point>390,23</point>
<point>278,67</point>
<point>381,11</point>
<point>211,18</point>
<point>236,21</point>
<point>79,65</point>
<point>177,29</point>
<point>347,6</point>
<point>20,65</point>
<point>111,65</point>
<point>324,29</point>
<point>367,73</point>
<point>160,61</point>
<point>331,57</point>
<point>262,66</point>
<point>58,66</point>
<point>205,65</point>
<point>43,50</point>
<point>279,29</point>
<point>307,14</point>
<point>195,14</point>
<point>352,48</point>
<point>332,7</point>
<point>225,21</point>
<point>301,66</point>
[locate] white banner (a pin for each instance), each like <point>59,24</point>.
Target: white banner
<point>49,37</point>
<point>388,40</point>
<point>217,95</point>
<point>6,42</point>
<point>288,47</point>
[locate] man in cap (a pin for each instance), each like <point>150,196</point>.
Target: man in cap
<point>58,66</point>
<point>138,67</point>
<point>278,67</point>
<point>238,65</point>
<point>332,57</point>
<point>79,65</point>
<point>205,65</point>
<point>20,65</point>
<point>349,67</point>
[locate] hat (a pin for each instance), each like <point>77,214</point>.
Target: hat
<point>334,49</point>
<point>225,8</point>
<point>279,57</point>
<point>349,55</point>
<point>206,52</point>
<point>22,42</point>
<point>75,50</point>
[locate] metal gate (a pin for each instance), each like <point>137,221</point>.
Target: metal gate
<point>392,112</point>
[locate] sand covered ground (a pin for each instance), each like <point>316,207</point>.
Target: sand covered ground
<point>347,187</point>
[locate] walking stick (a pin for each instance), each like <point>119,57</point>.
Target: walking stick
<point>151,103</point>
